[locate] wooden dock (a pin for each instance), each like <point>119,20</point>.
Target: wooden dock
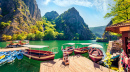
<point>77,63</point>
<point>12,49</point>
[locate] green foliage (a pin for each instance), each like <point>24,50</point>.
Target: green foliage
<point>31,36</point>
<point>50,34</point>
<point>39,35</point>
<point>3,24</point>
<point>21,36</point>
<point>14,37</point>
<point>120,10</point>
<point>6,37</point>
<point>108,60</point>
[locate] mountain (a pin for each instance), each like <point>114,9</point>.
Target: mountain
<point>17,16</point>
<point>98,31</point>
<point>107,34</point>
<point>73,26</point>
<point>51,15</point>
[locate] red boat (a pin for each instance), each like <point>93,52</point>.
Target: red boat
<point>82,49</point>
<point>94,53</point>
<point>39,54</point>
<point>68,50</point>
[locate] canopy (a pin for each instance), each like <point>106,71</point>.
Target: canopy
<point>119,27</point>
<point>69,44</point>
<point>35,46</point>
<point>95,45</point>
<point>84,43</point>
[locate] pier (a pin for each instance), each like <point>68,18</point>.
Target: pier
<point>12,49</point>
<point>77,63</point>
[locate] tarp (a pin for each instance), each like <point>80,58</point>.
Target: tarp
<point>95,46</point>
<point>35,46</point>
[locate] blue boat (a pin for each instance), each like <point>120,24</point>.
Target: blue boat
<point>4,60</point>
<point>19,56</point>
<point>11,59</point>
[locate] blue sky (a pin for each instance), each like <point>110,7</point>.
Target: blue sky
<point>92,11</point>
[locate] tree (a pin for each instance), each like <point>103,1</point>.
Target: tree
<point>31,36</point>
<point>50,34</point>
<point>39,35</point>
<point>6,37</point>
<point>120,10</point>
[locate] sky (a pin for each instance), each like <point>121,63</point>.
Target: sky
<point>92,11</point>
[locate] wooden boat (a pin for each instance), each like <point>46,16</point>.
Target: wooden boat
<point>82,49</point>
<point>38,54</point>
<point>17,43</point>
<point>95,53</point>
<point>68,50</point>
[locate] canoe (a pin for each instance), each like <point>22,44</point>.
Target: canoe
<point>95,54</point>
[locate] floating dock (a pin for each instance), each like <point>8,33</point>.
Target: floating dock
<point>77,63</point>
<point>12,49</point>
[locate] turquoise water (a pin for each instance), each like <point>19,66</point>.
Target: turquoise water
<point>30,65</point>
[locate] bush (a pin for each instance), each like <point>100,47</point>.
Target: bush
<point>39,35</point>
<point>31,36</point>
<point>21,36</point>
<point>6,37</point>
<point>3,24</point>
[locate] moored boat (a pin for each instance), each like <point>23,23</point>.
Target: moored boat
<point>2,56</point>
<point>68,49</point>
<point>81,50</point>
<point>39,54</point>
<point>95,53</point>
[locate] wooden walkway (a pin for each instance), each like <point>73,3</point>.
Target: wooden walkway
<point>77,63</point>
<point>12,49</point>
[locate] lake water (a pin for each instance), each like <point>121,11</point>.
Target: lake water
<point>30,65</point>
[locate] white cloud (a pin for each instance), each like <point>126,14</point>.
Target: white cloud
<point>46,2</point>
<point>100,5</point>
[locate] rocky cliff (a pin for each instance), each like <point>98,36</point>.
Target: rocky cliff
<point>17,16</point>
<point>51,15</point>
<point>73,25</point>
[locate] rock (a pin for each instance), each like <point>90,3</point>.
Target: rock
<point>21,13</point>
<point>73,25</point>
<point>51,15</point>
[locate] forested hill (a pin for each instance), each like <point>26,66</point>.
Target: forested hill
<point>98,31</point>
<point>73,26</point>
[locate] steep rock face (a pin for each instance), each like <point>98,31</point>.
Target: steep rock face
<point>107,34</point>
<point>21,13</point>
<point>73,25</point>
<point>51,15</point>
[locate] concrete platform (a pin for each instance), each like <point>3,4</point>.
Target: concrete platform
<point>77,63</point>
<point>12,49</point>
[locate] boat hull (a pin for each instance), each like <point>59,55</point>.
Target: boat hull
<point>79,51</point>
<point>95,58</point>
<point>50,57</point>
<point>39,55</point>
